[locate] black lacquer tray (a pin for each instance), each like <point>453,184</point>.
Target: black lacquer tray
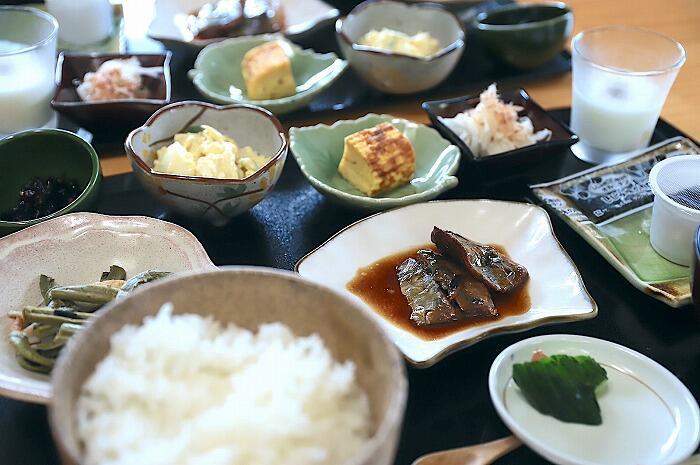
<point>449,404</point>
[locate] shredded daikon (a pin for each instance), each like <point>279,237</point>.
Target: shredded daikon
<point>494,126</point>
<point>113,80</point>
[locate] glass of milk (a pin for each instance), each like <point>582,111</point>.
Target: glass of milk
<point>27,68</point>
<point>621,77</point>
<point>82,22</point>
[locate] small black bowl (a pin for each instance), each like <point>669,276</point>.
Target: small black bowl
<point>562,137</point>
<point>525,36</point>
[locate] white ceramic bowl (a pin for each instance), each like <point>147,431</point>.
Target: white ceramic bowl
<point>216,201</point>
<point>649,416</point>
<point>75,249</point>
<point>395,73</point>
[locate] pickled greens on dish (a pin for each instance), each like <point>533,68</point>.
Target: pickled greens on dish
<point>38,333</point>
<point>562,386</point>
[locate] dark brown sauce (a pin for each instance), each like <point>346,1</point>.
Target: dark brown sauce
<point>378,286</point>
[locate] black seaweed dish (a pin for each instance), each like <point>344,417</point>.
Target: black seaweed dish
<point>562,137</point>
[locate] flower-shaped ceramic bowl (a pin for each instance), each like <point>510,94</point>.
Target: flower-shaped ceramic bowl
<point>75,249</point>
<point>217,72</point>
<point>395,73</point>
<point>213,200</point>
<point>318,150</point>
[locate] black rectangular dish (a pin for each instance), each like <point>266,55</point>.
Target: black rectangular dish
<point>521,158</point>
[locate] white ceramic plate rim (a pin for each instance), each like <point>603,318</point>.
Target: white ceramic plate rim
<point>502,361</point>
<point>291,31</point>
<point>14,388</point>
<point>502,327</point>
<point>446,183</point>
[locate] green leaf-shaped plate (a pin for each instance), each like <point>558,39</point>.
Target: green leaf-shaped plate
<point>217,73</point>
<point>318,150</point>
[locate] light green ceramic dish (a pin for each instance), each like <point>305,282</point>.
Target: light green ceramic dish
<point>217,73</point>
<point>610,207</point>
<point>318,150</point>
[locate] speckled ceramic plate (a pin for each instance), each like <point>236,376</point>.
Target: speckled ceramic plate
<point>318,150</point>
<point>75,249</point>
<point>556,290</point>
<point>649,416</point>
<point>610,207</point>
<point>217,73</point>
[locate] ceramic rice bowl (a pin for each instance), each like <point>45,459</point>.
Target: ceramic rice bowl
<point>249,297</point>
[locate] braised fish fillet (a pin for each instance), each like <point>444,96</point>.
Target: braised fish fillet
<point>459,285</point>
<point>429,304</point>
<point>487,264</point>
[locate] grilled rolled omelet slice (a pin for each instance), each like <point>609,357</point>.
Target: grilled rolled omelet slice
<point>377,159</point>
<point>267,72</point>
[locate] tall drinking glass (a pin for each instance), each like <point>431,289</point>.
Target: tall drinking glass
<point>621,77</point>
<point>27,68</point>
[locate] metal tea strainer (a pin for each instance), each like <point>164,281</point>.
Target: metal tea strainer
<point>676,214</point>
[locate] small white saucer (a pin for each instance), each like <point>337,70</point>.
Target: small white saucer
<point>649,416</point>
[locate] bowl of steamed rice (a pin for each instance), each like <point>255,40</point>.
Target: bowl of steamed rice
<point>245,366</point>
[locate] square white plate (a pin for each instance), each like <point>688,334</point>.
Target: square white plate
<point>556,289</point>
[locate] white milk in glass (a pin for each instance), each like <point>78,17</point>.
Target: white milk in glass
<point>26,87</point>
<point>615,114</point>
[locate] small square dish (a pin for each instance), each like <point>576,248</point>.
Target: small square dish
<point>218,74</point>
<point>370,248</point>
<point>529,155</point>
<point>319,150</point>
<point>121,114</point>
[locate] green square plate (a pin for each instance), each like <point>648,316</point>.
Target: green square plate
<point>217,73</point>
<point>318,150</point>
<point>610,207</point>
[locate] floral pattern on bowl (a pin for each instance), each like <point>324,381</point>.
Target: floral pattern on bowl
<point>217,73</point>
<point>216,201</point>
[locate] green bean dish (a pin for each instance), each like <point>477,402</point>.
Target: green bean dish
<point>38,333</point>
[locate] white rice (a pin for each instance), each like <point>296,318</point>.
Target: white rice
<point>188,390</point>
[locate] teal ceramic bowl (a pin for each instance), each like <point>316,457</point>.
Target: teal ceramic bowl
<point>318,150</point>
<point>525,36</point>
<point>46,153</point>
<point>217,73</point>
